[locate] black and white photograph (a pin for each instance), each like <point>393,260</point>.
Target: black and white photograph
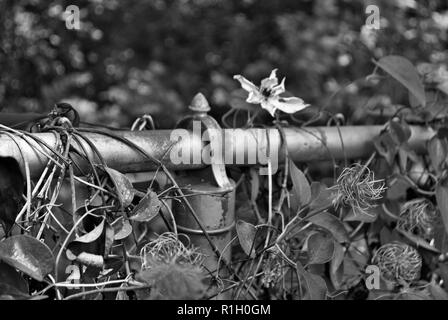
<point>230,155</point>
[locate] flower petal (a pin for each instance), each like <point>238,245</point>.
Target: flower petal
<point>267,105</point>
<point>255,97</point>
<point>271,82</point>
<point>273,74</point>
<point>278,89</point>
<point>245,84</point>
<point>288,105</point>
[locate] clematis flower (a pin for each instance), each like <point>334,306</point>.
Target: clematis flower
<point>268,94</point>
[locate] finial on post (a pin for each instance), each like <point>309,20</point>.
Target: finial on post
<point>199,104</point>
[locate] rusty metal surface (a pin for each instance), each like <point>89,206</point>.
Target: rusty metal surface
<point>304,144</point>
<point>215,207</point>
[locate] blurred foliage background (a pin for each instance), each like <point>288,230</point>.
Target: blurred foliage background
<point>133,57</point>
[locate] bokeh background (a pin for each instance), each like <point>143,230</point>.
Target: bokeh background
<point>134,57</point>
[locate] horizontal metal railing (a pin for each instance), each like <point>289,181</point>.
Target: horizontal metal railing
<point>304,145</point>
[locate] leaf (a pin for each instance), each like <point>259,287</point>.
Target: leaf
<point>147,209</point>
<point>317,288</point>
<point>293,203</point>
<point>337,277</point>
<point>89,221</point>
<point>290,229</point>
<point>336,263</point>
<point>400,132</point>
<point>404,72</point>
<point>437,292</point>
<point>332,224</point>
<point>109,234</point>
<point>28,255</point>
<point>122,229</point>
<point>321,196</point>
<point>386,147</point>
<point>122,294</point>
<point>301,187</point>
<point>122,185</point>
<point>440,237</point>
<point>418,241</point>
<point>443,272</point>
<point>338,257</point>
<point>91,248</point>
<point>442,201</point>
<point>315,285</point>
<point>111,266</point>
<point>413,102</point>
<point>12,283</point>
<point>435,107</point>
<point>387,236</point>
<point>398,186</point>
<point>9,292</point>
<point>320,248</point>
<point>246,235</point>
<point>437,151</point>
<point>443,87</point>
<point>405,153</point>
<point>92,235</point>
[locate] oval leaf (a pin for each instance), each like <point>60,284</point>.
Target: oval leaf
<point>322,197</point>
<point>317,288</point>
<point>301,187</point>
<point>122,230</point>
<point>147,209</point>
<point>246,235</point>
<point>320,248</point>
<point>122,185</point>
<point>437,151</point>
<point>28,255</point>
<point>315,285</point>
<point>332,224</point>
<point>336,262</point>
<point>402,70</point>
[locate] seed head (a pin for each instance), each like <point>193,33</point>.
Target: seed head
<point>398,262</point>
<point>167,248</point>
<point>418,217</point>
<point>358,188</point>
<point>172,269</point>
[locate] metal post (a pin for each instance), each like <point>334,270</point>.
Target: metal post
<point>212,196</point>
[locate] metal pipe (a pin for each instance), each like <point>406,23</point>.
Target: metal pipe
<point>239,146</point>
